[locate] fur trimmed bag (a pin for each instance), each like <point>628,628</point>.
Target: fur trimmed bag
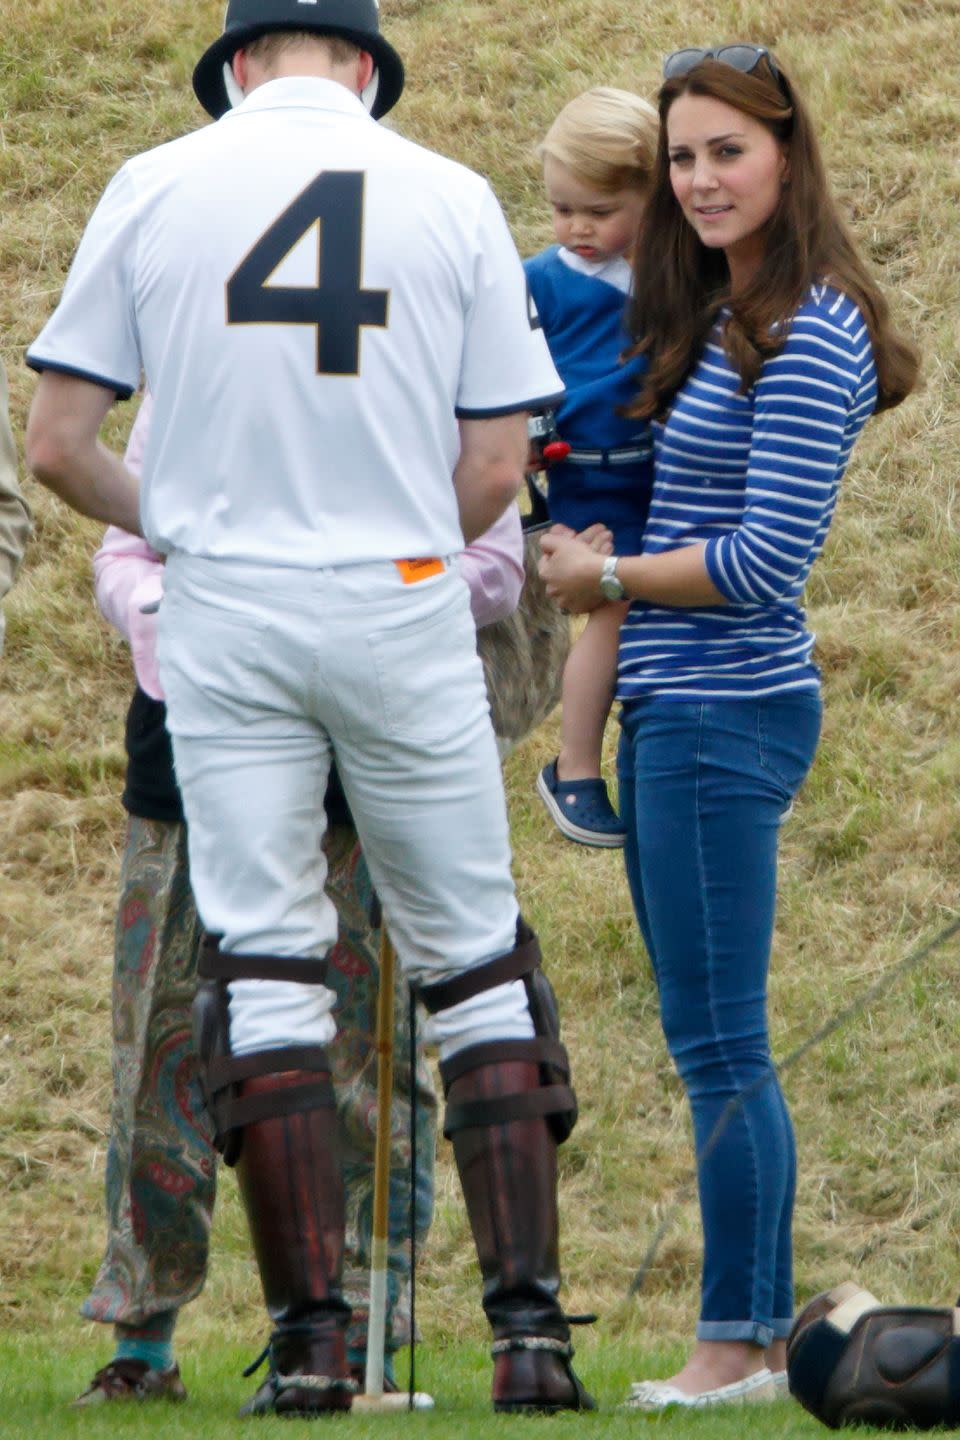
<point>523,656</point>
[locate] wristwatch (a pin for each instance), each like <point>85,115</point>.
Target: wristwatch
<point>611,586</point>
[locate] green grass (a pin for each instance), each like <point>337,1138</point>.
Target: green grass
<point>870,860</point>
<point>36,1386</point>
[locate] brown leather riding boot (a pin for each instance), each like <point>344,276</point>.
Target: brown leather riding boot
<point>508,1172</point>
<point>292,1189</point>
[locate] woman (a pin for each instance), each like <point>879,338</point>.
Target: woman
<point>769,346</point>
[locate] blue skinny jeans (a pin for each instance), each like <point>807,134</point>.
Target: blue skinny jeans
<point>703,788</point>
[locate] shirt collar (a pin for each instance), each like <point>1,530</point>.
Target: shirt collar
<point>615,272</point>
<point>312,92</point>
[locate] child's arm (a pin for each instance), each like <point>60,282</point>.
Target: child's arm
<point>493,569</point>
<point>128,576</point>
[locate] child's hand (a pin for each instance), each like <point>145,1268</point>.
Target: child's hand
<point>599,538</point>
<point>570,569</point>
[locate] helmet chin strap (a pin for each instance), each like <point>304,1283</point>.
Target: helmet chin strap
<point>368,94</point>
<point>235,95</point>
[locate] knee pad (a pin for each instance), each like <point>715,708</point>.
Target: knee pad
<point>222,1074</point>
<point>554,1098</point>
<point>853,1361</point>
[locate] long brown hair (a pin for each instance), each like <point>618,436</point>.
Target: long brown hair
<point>680,284</point>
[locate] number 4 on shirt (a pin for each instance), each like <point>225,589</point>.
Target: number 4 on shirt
<point>337,305</point>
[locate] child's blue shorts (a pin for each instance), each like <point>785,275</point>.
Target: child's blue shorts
<point>618,497</point>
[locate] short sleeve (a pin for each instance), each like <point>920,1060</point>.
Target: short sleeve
<point>506,364</point>
<point>93,333</point>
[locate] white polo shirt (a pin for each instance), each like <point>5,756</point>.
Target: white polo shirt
<point>314,301</point>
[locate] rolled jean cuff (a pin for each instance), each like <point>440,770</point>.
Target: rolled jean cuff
<point>753,1331</point>
<point>782,1328</point>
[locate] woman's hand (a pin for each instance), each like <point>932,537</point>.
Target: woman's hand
<point>570,568</point>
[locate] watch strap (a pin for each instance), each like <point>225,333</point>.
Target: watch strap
<point>610,583</point>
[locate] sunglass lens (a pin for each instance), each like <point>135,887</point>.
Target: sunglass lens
<point>683,60</point>
<point>741,57</point>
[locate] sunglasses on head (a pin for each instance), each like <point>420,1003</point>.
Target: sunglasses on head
<point>744,58</point>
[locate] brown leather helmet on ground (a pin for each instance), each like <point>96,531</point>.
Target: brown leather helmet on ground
<point>853,1361</point>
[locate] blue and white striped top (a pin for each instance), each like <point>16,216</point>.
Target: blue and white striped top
<point>756,477</point>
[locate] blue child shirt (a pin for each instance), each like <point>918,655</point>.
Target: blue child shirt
<point>609,476</point>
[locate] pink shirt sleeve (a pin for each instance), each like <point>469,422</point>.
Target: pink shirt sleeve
<point>493,569</point>
<point>128,576</point>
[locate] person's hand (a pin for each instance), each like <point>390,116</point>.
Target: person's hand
<point>570,569</point>
<point>599,538</point>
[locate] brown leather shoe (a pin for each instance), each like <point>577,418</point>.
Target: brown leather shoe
<point>131,1380</point>
<point>308,1372</point>
<point>533,1376</point>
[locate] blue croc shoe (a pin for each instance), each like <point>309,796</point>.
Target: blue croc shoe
<point>580,809</point>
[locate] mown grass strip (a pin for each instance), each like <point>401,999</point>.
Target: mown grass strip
<point>37,1386</point>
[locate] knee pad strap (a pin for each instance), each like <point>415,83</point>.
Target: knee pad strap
<point>542,1050</point>
<point>516,964</point>
<point>216,964</point>
<point>554,1099</point>
<point>232,1110</point>
<point>222,1074</point>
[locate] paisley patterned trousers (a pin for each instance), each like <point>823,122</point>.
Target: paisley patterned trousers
<point>161,1167</point>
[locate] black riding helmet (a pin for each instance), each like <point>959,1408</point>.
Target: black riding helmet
<point>245,20</point>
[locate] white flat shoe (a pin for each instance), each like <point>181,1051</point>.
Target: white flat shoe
<point>782,1384</point>
<point>658,1395</point>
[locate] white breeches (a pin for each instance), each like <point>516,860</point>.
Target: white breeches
<point>267,672</point>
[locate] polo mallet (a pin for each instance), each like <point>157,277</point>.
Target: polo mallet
<point>373,1400</point>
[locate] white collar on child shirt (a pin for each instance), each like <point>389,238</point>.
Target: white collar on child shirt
<point>615,272</point>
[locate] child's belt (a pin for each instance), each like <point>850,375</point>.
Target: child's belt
<point>625,455</point>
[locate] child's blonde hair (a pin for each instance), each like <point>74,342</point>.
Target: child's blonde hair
<point>607,137</point>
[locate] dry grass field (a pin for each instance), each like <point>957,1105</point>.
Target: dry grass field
<point>871,859</point>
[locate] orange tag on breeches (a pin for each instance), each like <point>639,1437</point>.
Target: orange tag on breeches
<point>413,570</point>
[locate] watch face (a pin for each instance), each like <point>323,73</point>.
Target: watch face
<point>611,587</point>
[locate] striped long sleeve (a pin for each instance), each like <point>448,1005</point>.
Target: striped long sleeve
<point>755,478</point>
<point>800,441</point>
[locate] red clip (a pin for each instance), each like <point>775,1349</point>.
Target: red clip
<point>556,450</point>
